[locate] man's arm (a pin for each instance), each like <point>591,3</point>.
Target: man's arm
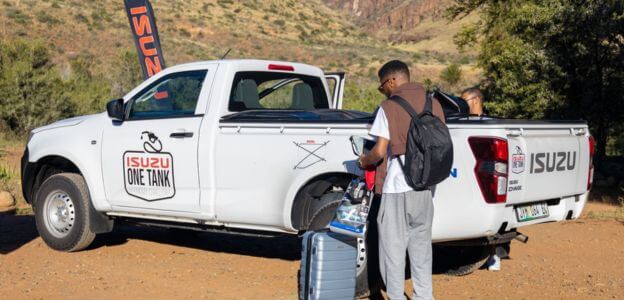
<point>376,154</point>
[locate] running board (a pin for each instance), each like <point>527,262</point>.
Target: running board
<point>152,217</point>
<point>194,226</point>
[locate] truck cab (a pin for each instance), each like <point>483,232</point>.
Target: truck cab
<point>168,150</point>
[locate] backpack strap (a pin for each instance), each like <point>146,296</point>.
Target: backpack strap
<point>410,110</point>
<point>406,106</point>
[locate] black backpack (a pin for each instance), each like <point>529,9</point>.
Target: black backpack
<point>429,149</point>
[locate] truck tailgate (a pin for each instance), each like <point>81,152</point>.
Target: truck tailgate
<point>547,163</point>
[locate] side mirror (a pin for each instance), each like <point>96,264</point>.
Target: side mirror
<point>115,110</point>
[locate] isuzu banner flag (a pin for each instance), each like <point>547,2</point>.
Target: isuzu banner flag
<point>143,24</point>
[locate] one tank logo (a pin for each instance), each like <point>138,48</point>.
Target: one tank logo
<point>517,161</point>
<point>148,174</point>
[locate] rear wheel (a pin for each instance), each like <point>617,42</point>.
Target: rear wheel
<point>460,260</point>
<point>368,280</point>
<point>62,212</point>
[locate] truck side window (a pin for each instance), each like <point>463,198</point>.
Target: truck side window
<point>171,96</point>
<point>273,90</point>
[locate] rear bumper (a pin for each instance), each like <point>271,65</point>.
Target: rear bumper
<point>486,222</point>
<point>567,208</point>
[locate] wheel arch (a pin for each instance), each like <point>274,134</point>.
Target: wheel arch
<point>35,173</point>
<point>307,200</point>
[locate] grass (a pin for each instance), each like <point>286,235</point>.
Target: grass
<point>610,196</point>
<point>617,214</point>
<point>10,173</point>
<point>5,173</point>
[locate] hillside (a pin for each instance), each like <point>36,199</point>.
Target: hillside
<point>306,31</point>
<point>397,15</point>
<point>411,25</point>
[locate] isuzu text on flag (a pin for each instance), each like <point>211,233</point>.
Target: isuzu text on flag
<point>145,33</point>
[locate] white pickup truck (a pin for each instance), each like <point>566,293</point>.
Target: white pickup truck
<point>262,146</point>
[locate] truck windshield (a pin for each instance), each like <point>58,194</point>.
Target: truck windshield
<point>277,91</point>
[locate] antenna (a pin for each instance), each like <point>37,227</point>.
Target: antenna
<point>226,53</point>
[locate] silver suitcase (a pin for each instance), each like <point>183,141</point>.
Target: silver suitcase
<point>328,266</point>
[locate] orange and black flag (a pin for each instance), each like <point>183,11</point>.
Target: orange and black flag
<point>145,33</point>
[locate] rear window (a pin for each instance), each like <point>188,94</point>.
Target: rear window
<point>276,91</point>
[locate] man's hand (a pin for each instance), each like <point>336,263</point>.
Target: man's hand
<point>375,155</point>
<point>359,161</point>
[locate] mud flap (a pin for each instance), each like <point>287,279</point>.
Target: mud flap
<point>99,222</point>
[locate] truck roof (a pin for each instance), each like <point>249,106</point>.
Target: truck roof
<point>253,64</point>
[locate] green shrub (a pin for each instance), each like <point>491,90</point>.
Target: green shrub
<point>362,96</point>
<point>44,17</point>
<point>18,16</point>
<point>81,18</point>
<point>452,74</point>
<point>185,32</point>
<point>86,90</point>
<point>31,90</point>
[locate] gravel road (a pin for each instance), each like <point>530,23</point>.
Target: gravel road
<point>576,259</point>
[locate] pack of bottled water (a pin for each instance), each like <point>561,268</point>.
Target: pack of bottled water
<point>352,213</point>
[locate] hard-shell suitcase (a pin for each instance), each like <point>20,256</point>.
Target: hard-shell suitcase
<point>328,266</point>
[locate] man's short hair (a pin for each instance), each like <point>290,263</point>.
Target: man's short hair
<point>473,91</point>
<point>394,67</point>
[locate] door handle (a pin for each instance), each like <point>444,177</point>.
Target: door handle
<point>514,132</point>
<point>578,131</point>
<point>181,135</point>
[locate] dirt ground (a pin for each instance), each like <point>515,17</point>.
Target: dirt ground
<point>576,259</point>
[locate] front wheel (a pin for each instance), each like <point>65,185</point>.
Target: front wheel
<point>62,212</point>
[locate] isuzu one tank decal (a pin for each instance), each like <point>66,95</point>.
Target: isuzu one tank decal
<point>148,174</point>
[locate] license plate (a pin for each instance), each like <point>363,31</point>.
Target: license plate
<point>532,212</point>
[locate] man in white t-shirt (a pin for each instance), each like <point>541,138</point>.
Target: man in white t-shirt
<point>405,215</point>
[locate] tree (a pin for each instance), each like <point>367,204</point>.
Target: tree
<point>126,73</point>
<point>87,90</point>
<point>451,74</point>
<point>552,59</point>
<point>31,90</point>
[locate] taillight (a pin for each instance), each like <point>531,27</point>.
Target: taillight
<point>491,169</point>
<point>592,150</point>
<point>281,67</point>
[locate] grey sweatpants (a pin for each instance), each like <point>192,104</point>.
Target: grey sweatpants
<point>404,223</point>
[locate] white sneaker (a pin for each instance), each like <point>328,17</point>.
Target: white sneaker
<point>494,263</point>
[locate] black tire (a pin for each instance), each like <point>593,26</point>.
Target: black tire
<point>460,260</point>
<point>66,229</point>
<point>325,213</point>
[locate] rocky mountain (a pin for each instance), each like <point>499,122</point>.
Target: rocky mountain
<point>356,36</point>
<point>394,20</point>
